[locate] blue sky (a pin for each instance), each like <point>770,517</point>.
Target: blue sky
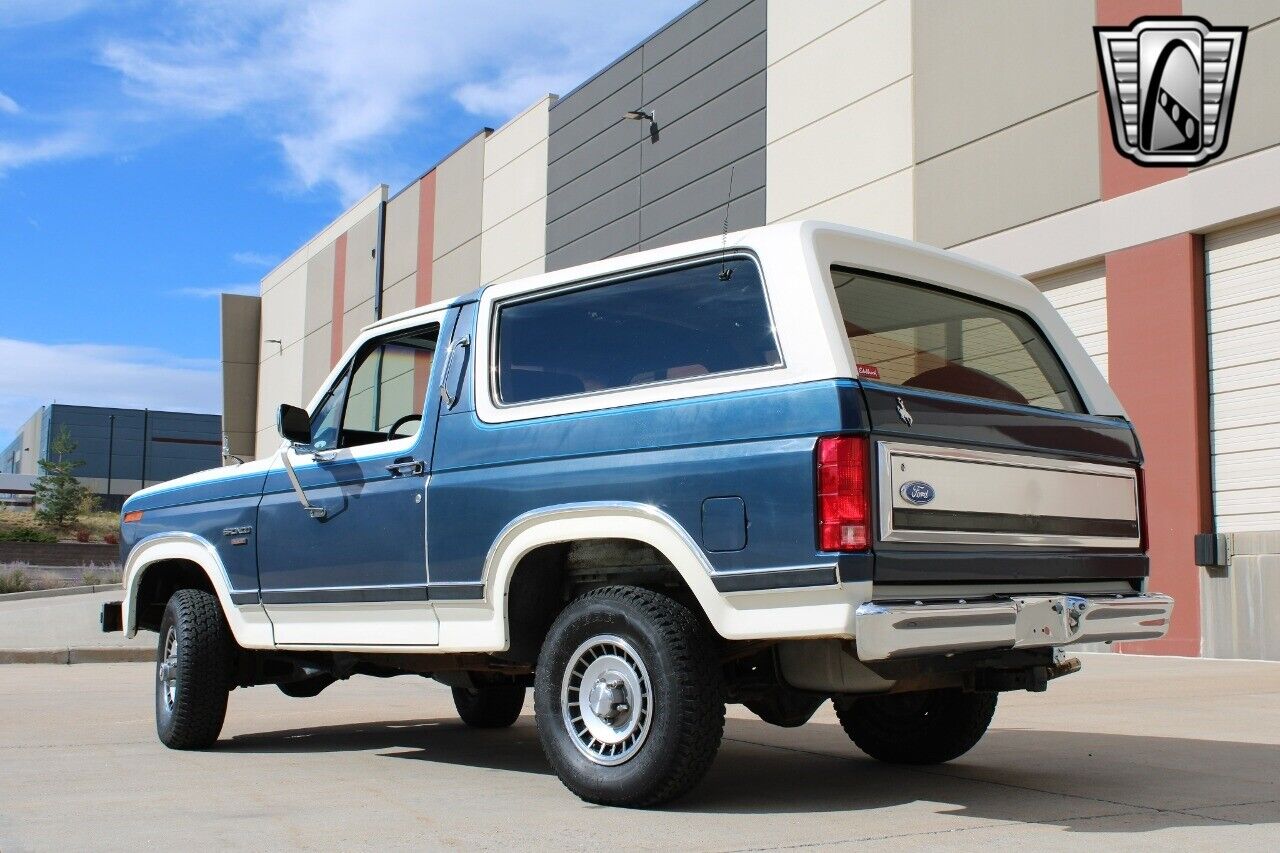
<point>154,154</point>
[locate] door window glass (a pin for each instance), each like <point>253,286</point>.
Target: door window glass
<point>387,391</point>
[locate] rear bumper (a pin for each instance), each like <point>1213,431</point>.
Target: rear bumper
<point>903,629</point>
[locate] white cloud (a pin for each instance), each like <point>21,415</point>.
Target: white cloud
<point>254,259</point>
<point>9,105</point>
<point>101,375</point>
<point>217,290</point>
<point>21,13</point>
<point>59,146</point>
<point>334,84</point>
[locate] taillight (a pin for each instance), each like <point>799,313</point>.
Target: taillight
<point>842,493</point>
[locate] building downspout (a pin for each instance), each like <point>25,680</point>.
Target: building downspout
<point>378,259</point>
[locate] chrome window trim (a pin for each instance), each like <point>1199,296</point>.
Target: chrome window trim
<point>494,330</point>
<point>885,451</point>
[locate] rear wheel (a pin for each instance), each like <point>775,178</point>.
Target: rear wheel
<point>494,707</point>
<point>193,671</point>
<point>628,697</point>
<point>925,727</point>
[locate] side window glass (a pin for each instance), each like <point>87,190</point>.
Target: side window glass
<point>388,388</point>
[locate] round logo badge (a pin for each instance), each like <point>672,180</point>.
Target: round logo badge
<point>917,492</point>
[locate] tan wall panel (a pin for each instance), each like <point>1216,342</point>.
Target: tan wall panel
<point>1233,13</point>
<point>401,236</point>
<point>515,242</point>
<point>355,320</point>
<point>457,272</point>
<point>980,67</point>
<point>266,442</point>
<point>1038,168</point>
<point>316,350</point>
<point>279,381</point>
<point>842,66</point>
<point>532,268</point>
<point>850,155</point>
<point>1255,122</point>
<point>884,206</point>
<point>239,397</point>
<point>326,235</point>
<point>459,191</point>
<point>789,31</point>
<point>362,239</point>
<point>517,136</point>
<point>283,313</point>
<point>517,185</point>
<point>241,316</point>
<point>399,297</point>
<point>319,297</point>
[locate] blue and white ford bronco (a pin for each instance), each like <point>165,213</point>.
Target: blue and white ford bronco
<point>803,463</point>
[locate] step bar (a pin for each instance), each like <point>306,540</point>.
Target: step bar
<point>898,629</point>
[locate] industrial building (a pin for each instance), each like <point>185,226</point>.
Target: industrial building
<point>123,450</point>
<point>978,127</point>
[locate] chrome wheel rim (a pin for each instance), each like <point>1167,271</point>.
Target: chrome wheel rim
<point>167,671</point>
<point>606,700</point>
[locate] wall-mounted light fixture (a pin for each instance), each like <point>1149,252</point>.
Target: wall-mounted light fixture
<point>278,343</point>
<point>641,115</point>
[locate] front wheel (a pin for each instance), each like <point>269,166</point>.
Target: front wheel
<point>925,727</point>
<point>193,671</point>
<point>628,697</point>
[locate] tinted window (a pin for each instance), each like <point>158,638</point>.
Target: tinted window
<point>676,324</point>
<point>922,337</point>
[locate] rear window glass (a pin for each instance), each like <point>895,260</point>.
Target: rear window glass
<point>921,337</point>
<point>667,326</point>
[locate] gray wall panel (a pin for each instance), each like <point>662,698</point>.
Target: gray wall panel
<point>748,208</point>
<point>725,39</point>
<point>603,178</point>
<point>689,26</point>
<point>704,78</point>
<point>595,90</point>
<point>599,212</point>
<point>613,239</point>
<point>708,193</point>
<point>596,121</point>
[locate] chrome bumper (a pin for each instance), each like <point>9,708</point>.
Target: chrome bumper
<point>902,629</point>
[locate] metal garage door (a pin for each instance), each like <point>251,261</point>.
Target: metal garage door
<point>1243,271</point>
<point>1081,298</point>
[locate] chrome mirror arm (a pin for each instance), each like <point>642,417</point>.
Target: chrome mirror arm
<point>316,512</point>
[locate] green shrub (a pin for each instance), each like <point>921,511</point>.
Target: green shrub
<point>14,581</point>
<point>26,533</point>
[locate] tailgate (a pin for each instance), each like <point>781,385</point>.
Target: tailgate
<point>979,497</point>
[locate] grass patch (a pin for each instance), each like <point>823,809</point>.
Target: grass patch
<point>23,526</point>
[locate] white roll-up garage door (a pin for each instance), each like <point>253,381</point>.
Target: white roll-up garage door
<point>1081,298</point>
<point>1242,266</point>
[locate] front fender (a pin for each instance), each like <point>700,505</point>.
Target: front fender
<point>247,620</point>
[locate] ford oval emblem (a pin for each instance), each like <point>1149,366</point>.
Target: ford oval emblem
<point>917,492</point>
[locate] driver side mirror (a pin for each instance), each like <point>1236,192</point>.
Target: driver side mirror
<point>294,424</point>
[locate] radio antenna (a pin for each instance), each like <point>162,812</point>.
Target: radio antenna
<point>725,272</point>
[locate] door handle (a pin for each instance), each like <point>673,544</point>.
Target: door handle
<point>406,469</point>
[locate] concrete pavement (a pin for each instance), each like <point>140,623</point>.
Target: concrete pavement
<point>1133,753</point>
<point>63,622</point>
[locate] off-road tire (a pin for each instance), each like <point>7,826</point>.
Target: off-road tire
<point>492,707</point>
<point>203,655</point>
<point>678,651</point>
<point>926,727</point>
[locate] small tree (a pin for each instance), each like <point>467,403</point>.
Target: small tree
<point>59,496</point>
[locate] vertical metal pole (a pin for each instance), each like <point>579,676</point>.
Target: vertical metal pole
<point>378,265</point>
<point>111,449</point>
<point>146,418</point>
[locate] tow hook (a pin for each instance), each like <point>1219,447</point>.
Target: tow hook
<point>1066,666</point>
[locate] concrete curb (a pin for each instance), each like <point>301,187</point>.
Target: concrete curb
<point>80,654</point>
<point>57,591</point>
